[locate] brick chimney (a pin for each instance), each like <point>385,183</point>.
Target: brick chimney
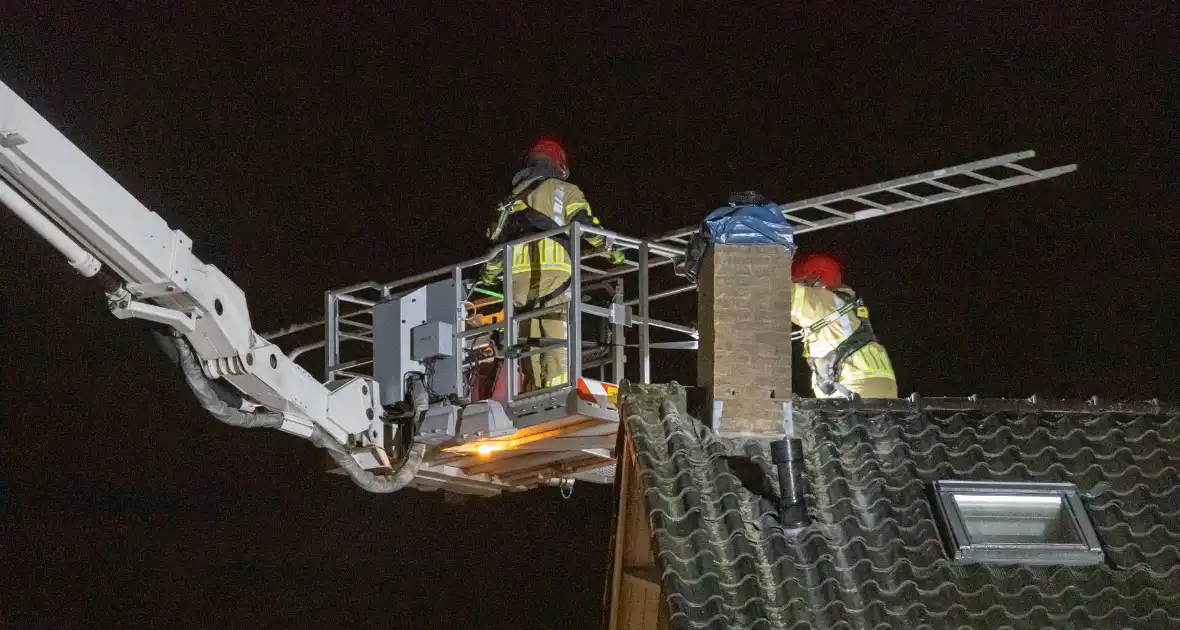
<point>744,356</point>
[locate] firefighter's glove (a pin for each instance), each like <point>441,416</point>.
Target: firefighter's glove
<point>617,257</point>
<point>488,279</point>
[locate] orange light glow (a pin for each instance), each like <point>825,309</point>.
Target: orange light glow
<point>484,449</point>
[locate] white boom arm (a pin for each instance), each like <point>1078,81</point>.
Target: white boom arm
<point>93,221</point>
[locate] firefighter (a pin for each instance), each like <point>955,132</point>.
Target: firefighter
<point>542,199</point>
<point>845,358</point>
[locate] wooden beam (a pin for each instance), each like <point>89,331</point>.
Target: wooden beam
<point>647,575</point>
<point>637,601</point>
<point>626,462</point>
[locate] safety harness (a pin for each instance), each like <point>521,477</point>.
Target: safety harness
<point>827,369</point>
<point>512,225</point>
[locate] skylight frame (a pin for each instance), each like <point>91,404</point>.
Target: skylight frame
<point>1086,552</point>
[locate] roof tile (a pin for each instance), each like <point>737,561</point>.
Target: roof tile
<point>872,556</point>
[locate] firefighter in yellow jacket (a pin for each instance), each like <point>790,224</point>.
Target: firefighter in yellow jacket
<point>845,357</point>
<point>542,200</point>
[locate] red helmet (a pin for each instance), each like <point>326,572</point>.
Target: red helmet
<point>817,267</point>
<point>550,149</point>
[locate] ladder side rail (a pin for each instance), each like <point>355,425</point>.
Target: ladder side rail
<point>896,186</point>
<point>908,180</point>
<point>956,193</point>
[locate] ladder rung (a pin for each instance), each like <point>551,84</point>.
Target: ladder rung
<point>833,211</point>
<point>982,177</point>
<point>912,179</point>
<point>819,225</point>
<point>792,217</point>
<point>935,182</point>
<point>869,202</point>
<point>901,193</point>
<point>1022,168</point>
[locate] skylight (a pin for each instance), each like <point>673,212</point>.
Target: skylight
<point>1016,523</point>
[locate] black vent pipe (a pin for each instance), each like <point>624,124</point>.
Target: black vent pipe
<point>787,455</point>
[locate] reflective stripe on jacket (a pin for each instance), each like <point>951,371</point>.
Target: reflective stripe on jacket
<point>561,201</point>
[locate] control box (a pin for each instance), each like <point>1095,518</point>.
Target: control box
<point>432,341</point>
<point>411,329</point>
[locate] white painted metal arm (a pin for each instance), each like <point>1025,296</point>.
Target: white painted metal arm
<point>79,258</point>
<point>88,217</point>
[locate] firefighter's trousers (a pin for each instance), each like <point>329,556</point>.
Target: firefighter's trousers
<point>874,388</point>
<point>871,387</point>
<point>548,368</point>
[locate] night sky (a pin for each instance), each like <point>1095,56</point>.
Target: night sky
<point>309,147</point>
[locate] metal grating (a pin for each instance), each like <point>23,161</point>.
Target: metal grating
<point>604,475</point>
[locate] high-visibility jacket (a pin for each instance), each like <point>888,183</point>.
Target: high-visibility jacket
<point>563,202</point>
<point>810,305</point>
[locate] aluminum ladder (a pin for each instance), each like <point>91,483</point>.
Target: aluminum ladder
<point>901,194</point>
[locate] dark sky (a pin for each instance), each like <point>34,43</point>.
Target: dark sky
<point>309,147</point>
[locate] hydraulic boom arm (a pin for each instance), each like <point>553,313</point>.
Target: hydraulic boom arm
<point>151,273</point>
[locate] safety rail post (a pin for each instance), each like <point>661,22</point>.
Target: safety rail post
<point>456,331</point>
<point>644,314</point>
<point>331,336</point>
<point>510,334</point>
<point>573,334</point>
<point>618,339</point>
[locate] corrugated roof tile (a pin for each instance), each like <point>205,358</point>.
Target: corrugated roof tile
<point>872,557</point>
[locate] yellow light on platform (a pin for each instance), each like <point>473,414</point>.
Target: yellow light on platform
<point>486,449</point>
